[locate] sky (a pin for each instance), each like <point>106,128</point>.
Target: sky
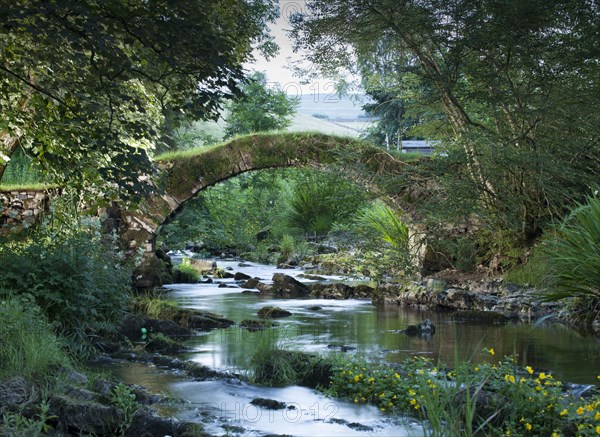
<point>276,68</point>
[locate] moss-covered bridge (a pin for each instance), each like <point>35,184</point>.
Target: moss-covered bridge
<point>183,175</point>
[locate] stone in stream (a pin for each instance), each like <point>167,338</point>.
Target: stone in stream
<point>270,312</point>
<point>239,276</point>
<point>201,320</point>
<point>251,283</point>
<point>86,417</point>
<point>269,404</point>
<point>284,285</point>
<point>423,328</point>
<point>257,325</point>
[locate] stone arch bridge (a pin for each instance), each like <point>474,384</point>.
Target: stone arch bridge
<point>185,174</point>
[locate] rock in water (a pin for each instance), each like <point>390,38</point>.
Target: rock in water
<point>284,285</point>
<point>423,328</point>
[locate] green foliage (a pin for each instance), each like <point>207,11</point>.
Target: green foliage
<point>316,203</point>
<point>15,424</point>
<point>491,81</point>
<point>20,171</point>
<point>259,108</point>
<point>28,346</point>
<point>122,397</point>
<point>573,254</point>
<point>472,399</point>
<point>533,273</point>
<point>271,364</point>
<point>386,223</point>
<point>185,273</point>
<point>74,275</point>
<point>85,86</point>
<point>156,307</point>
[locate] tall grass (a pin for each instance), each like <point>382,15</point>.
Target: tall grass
<point>386,223</point>
<point>574,254</point>
<point>156,307</point>
<point>28,346</point>
<point>271,364</point>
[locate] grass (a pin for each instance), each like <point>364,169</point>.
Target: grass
<point>156,307</point>
<point>28,346</point>
<point>277,135</point>
<point>533,273</point>
<point>33,186</point>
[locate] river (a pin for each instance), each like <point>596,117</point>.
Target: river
<point>223,406</point>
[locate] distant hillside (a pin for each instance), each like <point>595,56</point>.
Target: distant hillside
<point>332,106</point>
<point>302,123</point>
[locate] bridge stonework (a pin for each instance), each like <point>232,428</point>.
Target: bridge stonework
<point>180,179</point>
<point>22,209</point>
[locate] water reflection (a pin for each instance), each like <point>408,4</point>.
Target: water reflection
<point>374,332</point>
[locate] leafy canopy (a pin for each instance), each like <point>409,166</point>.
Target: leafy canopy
<point>516,85</point>
<point>260,108</point>
<point>84,86</point>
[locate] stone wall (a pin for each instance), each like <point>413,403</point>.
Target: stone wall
<point>19,210</point>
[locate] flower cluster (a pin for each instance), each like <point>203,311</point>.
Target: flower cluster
<point>508,399</point>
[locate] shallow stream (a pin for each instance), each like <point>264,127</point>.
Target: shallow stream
<point>223,406</point>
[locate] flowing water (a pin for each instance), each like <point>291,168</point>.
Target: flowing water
<point>318,325</point>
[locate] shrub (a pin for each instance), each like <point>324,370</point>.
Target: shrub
<point>75,276</point>
<point>185,273</point>
<point>573,254</point>
<point>28,346</point>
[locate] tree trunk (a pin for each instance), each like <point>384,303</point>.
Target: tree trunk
<point>8,144</point>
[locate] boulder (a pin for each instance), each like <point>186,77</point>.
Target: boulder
<point>424,328</point>
<point>264,288</point>
<point>15,393</point>
<point>202,320</point>
<point>239,276</point>
<point>270,312</point>
<point>83,417</point>
<point>256,325</point>
<point>268,404</point>
<point>330,291</point>
<point>284,285</point>
<point>146,424</point>
<point>251,283</point>
<point>132,325</point>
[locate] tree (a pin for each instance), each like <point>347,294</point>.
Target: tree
<point>259,108</point>
<point>84,86</point>
<point>517,82</point>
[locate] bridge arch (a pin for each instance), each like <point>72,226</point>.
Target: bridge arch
<point>183,175</point>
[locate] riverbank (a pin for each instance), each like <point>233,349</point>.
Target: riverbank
<point>206,346</point>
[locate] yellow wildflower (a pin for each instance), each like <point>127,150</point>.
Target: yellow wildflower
<point>597,416</point>
<point>396,376</point>
<point>555,434</point>
<point>598,430</point>
<point>509,378</point>
<point>580,410</point>
<point>492,352</point>
<point>563,412</point>
<point>528,426</point>
<point>412,392</point>
<point>542,375</point>
<point>529,369</point>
